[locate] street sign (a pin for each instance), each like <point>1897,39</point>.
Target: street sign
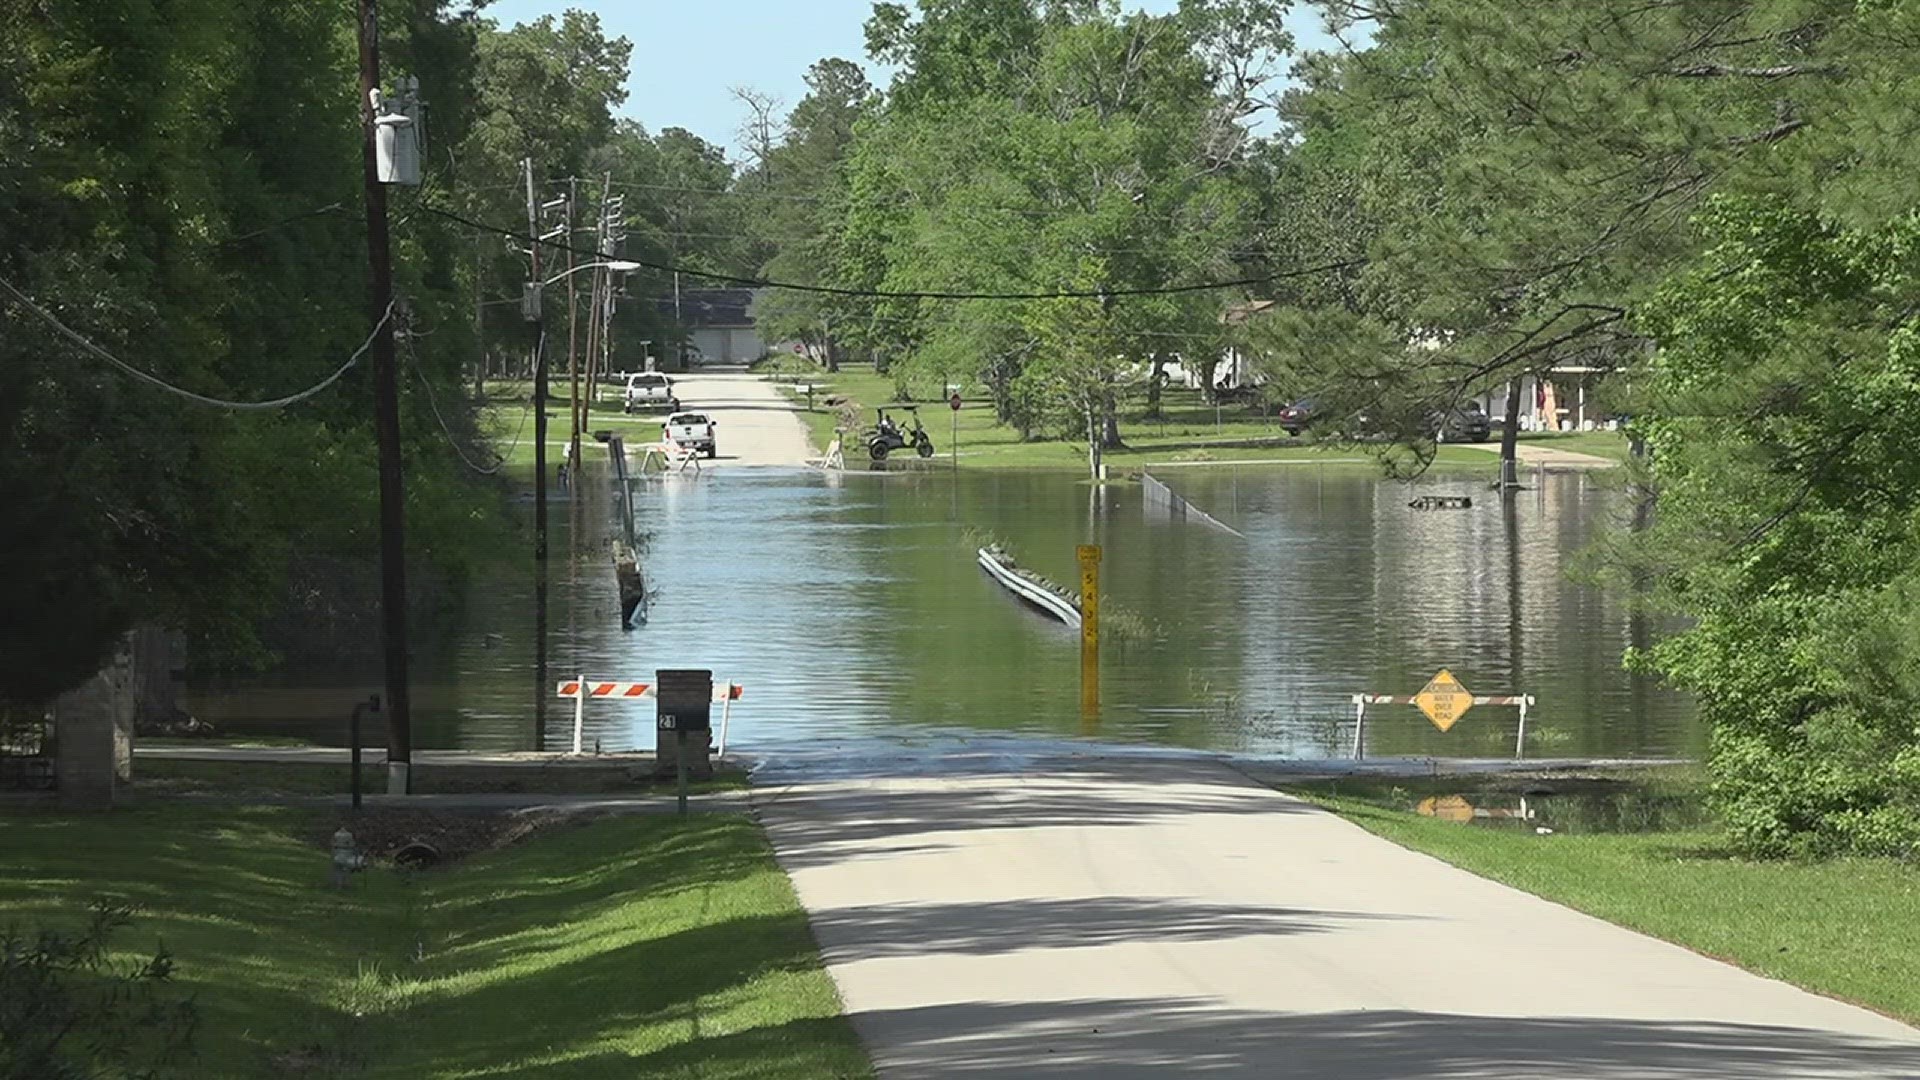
<point>954,401</point>
<point>1444,700</point>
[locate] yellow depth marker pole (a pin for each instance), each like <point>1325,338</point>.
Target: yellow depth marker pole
<point>1089,636</point>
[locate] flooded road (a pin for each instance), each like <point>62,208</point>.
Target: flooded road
<point>851,608</point>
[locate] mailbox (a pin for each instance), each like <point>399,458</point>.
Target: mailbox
<point>684,699</point>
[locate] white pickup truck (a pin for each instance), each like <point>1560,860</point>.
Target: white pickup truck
<point>690,429</point>
<point>650,390</point>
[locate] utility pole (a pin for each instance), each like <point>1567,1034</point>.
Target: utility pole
<point>573,364</point>
<point>537,315</point>
<point>386,425</point>
<point>593,325</point>
<point>479,321</point>
<point>611,208</point>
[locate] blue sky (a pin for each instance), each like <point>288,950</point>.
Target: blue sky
<point>687,55</point>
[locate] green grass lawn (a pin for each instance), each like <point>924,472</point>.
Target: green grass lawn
<point>1189,431</point>
<point>1849,927</point>
<point>628,947</point>
<point>507,420</point>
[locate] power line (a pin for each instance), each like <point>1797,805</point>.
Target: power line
<point>645,230</point>
<point>282,223</point>
<point>202,399</point>
<point>883,294</point>
<point>413,363</point>
<point>1032,211</point>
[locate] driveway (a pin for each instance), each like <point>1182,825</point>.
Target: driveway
<point>1124,918</point>
<point>755,424</point>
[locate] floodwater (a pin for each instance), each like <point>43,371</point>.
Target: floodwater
<point>852,611</point>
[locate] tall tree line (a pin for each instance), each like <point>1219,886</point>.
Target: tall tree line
<point>1709,199</point>
<point>1029,148</point>
<point>180,184</point>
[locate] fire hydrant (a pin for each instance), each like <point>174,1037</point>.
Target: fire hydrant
<point>347,857</point>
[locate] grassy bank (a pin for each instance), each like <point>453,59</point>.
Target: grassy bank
<point>507,421</point>
<point>1849,928</point>
<point>637,946</point>
<point>268,779</point>
<point>1188,431</point>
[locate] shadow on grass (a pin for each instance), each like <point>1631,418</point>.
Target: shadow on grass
<point>260,941</point>
<point>811,1048</point>
<point>628,931</point>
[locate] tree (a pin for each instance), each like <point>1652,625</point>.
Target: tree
<point>69,1012</point>
<point>1715,197</point>
<point>1036,148</point>
<point>805,210</point>
<point>1780,417</point>
<point>180,186</point>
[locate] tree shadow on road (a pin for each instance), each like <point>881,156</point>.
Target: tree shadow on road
<point>1136,1038</point>
<point>830,822</point>
<point>988,927</point>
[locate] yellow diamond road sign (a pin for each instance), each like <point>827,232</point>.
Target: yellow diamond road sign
<point>1444,700</point>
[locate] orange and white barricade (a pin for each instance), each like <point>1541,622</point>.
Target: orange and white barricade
<point>581,688</point>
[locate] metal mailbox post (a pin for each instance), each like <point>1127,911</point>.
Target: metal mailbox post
<point>683,702</point>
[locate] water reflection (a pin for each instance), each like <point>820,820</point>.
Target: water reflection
<point>1621,811</point>
<point>850,606</point>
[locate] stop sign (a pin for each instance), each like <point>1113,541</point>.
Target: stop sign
<point>954,401</point>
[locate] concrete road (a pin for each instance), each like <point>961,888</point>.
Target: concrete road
<point>756,424</point>
<point>1124,918</point>
<point>1553,459</point>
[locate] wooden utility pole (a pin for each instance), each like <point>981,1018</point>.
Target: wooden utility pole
<point>593,331</point>
<point>608,210</point>
<point>573,362</point>
<point>540,688</point>
<point>479,320</point>
<point>386,425</point>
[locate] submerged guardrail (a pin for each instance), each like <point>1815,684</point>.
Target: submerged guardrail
<point>1029,587</point>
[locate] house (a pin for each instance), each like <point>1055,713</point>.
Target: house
<point>1559,402</point>
<point>717,322</point>
<point>1236,368</point>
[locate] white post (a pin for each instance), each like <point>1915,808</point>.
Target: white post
<point>1359,726</point>
<point>726,716</point>
<point>1520,740</point>
<point>579,713</point>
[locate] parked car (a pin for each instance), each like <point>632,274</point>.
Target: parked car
<point>1466,423</point>
<point>651,390</point>
<point>1295,417</point>
<point>692,430</point>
